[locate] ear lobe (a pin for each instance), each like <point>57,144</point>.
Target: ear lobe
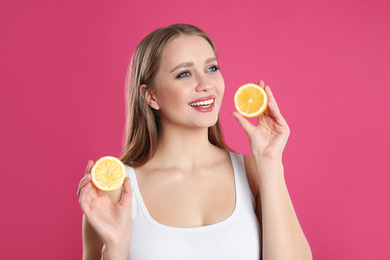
<point>149,97</point>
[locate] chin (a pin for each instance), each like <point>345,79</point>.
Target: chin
<point>206,123</point>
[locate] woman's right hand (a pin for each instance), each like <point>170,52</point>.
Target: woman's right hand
<point>111,221</point>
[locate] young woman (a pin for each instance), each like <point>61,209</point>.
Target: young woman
<point>187,195</point>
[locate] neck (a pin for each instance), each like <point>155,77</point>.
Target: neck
<point>183,148</point>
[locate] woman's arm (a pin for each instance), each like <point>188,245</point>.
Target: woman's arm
<point>92,244</point>
<point>106,220</point>
<point>282,236</point>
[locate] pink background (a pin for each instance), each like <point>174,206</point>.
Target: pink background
<point>62,71</point>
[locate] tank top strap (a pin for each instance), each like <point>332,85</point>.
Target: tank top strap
<point>243,191</point>
<point>136,207</point>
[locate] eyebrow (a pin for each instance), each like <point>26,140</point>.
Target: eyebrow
<point>189,64</point>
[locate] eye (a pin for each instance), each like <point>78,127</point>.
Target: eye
<point>183,74</point>
<point>213,68</point>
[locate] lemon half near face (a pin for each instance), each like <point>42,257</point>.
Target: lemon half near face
<point>250,100</point>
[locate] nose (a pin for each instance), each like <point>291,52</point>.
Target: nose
<point>203,83</point>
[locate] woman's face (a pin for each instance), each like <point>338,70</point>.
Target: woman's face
<point>189,85</point>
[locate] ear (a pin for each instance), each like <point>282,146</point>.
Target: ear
<point>149,97</point>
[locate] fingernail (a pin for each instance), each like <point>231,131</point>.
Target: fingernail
<point>261,82</point>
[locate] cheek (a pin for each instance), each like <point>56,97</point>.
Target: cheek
<point>174,97</point>
<point>221,85</point>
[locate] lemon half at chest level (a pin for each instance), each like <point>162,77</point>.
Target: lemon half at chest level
<point>108,173</point>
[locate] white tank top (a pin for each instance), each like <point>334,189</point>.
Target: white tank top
<point>237,237</point>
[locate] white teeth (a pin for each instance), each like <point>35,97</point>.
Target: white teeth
<point>202,103</point>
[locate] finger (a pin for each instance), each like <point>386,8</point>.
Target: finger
<point>84,181</point>
<point>245,124</point>
<point>127,193</point>
<point>89,166</point>
<point>84,199</point>
<point>87,199</point>
<point>89,193</point>
<point>273,108</point>
<point>261,83</point>
<point>271,98</point>
<point>266,112</point>
<point>275,113</point>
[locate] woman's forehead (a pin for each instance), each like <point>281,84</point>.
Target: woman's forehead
<point>187,48</point>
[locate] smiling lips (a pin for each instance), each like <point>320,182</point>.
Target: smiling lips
<point>205,104</point>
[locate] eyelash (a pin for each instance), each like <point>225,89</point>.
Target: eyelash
<point>187,73</point>
<point>215,68</point>
<point>181,74</point>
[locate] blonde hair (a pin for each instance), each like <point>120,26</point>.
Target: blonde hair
<point>142,122</point>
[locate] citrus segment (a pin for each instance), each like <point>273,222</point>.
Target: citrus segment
<point>250,100</point>
<point>108,173</point>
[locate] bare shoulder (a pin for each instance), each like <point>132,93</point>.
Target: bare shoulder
<point>252,176</point>
<point>219,156</point>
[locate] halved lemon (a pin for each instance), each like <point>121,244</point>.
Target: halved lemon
<point>250,100</point>
<point>108,173</point>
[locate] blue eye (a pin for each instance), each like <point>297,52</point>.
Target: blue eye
<point>213,68</point>
<point>183,74</point>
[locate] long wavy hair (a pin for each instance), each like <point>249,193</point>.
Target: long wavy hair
<point>142,121</point>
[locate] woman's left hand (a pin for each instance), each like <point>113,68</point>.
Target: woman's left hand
<point>269,137</point>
